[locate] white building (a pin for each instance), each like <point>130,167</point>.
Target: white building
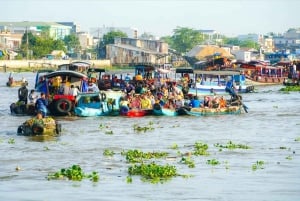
<point>98,32</point>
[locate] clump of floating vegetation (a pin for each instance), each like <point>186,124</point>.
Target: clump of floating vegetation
<point>213,162</point>
<point>297,139</point>
<point>139,128</point>
<point>188,161</point>
<point>200,149</point>
<point>290,88</point>
<point>74,173</point>
<point>138,156</point>
<point>258,165</point>
<point>153,172</point>
<point>231,145</point>
<point>108,152</point>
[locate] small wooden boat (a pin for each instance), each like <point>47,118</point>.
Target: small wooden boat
<point>161,111</point>
<point>215,111</point>
<point>20,108</point>
<point>44,126</point>
<point>136,112</point>
<point>15,83</point>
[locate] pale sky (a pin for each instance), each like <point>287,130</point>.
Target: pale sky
<point>161,17</point>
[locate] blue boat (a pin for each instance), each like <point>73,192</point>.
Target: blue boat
<point>214,82</point>
<point>98,103</point>
<point>161,111</point>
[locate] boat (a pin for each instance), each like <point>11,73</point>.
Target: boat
<point>15,83</point>
<point>261,73</point>
<point>44,126</point>
<point>103,103</point>
<point>214,111</point>
<point>158,110</point>
<point>135,112</point>
<point>214,82</point>
<point>61,103</point>
<point>20,108</point>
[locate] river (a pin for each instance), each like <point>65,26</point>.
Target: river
<point>271,129</point>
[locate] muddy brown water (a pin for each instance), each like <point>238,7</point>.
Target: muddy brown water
<point>271,129</point>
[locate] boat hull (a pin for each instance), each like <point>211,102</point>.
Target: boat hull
<point>213,111</point>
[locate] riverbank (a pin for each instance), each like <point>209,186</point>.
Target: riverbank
<point>33,65</point>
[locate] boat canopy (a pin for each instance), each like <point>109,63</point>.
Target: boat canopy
<point>66,73</point>
<point>203,72</point>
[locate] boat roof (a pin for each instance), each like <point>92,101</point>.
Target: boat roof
<point>66,73</point>
<point>184,70</point>
<point>221,72</point>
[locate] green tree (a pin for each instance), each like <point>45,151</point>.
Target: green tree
<point>184,39</point>
<point>109,38</point>
<point>72,43</point>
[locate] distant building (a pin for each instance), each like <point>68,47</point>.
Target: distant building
<point>75,28</point>
<point>132,50</point>
<point>56,31</point>
<point>86,40</point>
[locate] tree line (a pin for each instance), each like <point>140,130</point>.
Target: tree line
<point>182,40</point>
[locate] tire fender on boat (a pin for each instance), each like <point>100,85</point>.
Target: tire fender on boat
<point>37,129</point>
<point>63,106</point>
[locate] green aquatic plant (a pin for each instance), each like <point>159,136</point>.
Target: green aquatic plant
<point>289,157</point>
<point>290,88</point>
<point>297,139</point>
<point>213,162</point>
<point>11,141</point>
<point>258,165</point>
<point>200,149</point>
<point>137,156</point>
<point>73,173</point>
<point>108,152</point>
<point>139,128</point>
<point>231,145</point>
<point>188,161</point>
<point>153,172</point>
<point>174,146</point>
<point>109,132</point>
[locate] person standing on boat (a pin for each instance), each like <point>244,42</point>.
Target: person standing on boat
<point>23,93</point>
<point>41,104</point>
<point>32,97</point>
<point>230,87</point>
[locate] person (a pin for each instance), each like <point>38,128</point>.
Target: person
<point>127,78</point>
<point>32,97</point>
<point>139,77</point>
<point>23,93</point>
<point>93,87</point>
<point>195,102</point>
<point>206,102</point>
<point>222,102</point>
<point>230,87</point>
<point>129,88</point>
<point>38,118</point>
<point>74,91</point>
<point>41,104</point>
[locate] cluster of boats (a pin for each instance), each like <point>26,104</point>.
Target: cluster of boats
<point>106,101</point>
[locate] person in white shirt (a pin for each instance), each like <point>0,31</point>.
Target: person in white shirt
<point>93,87</point>
<point>74,90</point>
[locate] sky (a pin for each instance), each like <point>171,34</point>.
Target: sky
<point>161,17</point>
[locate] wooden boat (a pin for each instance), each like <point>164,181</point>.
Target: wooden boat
<point>19,108</point>
<point>214,111</point>
<point>161,111</point>
<point>260,73</point>
<point>45,126</point>
<point>214,82</point>
<point>15,83</point>
<point>135,112</point>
